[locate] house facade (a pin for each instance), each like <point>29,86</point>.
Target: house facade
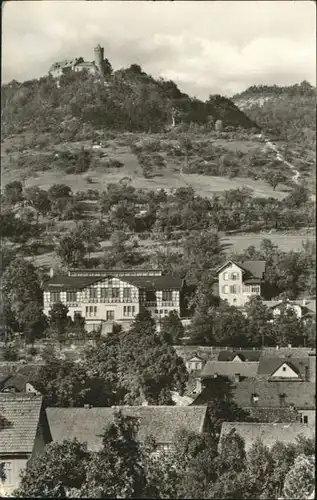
<point>23,435</point>
<point>304,309</point>
<point>106,298</point>
<point>238,282</point>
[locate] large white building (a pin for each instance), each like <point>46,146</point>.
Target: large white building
<point>104,297</point>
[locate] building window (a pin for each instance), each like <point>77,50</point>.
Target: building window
<point>284,368</point>
<point>115,293</point>
<point>92,293</point>
<point>127,293</point>
<point>234,276</point>
<point>305,419</point>
<point>77,314</point>
<point>233,289</point>
<point>225,276</point>
<point>71,296</point>
<point>104,293</point>
<point>225,289</point>
<point>110,315</point>
<point>255,289</point>
<point>156,311</point>
<point>167,296</point>
<point>165,311</point>
<point>128,311</point>
<point>91,311</point>
<point>55,297</point>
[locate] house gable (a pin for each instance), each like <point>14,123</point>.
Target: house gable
<point>238,359</point>
<point>285,371</point>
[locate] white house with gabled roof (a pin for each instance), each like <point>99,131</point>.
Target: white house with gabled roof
<point>239,281</point>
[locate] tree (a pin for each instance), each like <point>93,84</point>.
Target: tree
<point>58,319</point>
<point>33,321</point>
<point>53,474</point>
<point>149,368</point>
<point>118,470</point>
<point>298,196</point>
<point>13,192</point>
<point>69,384</point>
<point>259,471</point>
<point>229,326</point>
<point>71,250</point>
<point>300,479</point>
<point>201,327</point>
<point>39,199</point>
<point>172,328</point>
<point>288,328</point>
<point>202,251</point>
<point>275,178</point>
<point>59,191</point>
<point>258,328</point>
<point>20,285</point>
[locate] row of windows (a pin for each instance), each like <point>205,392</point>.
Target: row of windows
<point>232,276</point>
<point>107,293</point>
<point>128,311</point>
<point>236,289</point>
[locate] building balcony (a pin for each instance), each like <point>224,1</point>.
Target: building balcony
<point>110,300</point>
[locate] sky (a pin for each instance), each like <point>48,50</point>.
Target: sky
<point>216,47</point>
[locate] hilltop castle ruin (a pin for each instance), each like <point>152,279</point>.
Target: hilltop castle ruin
<point>95,68</point>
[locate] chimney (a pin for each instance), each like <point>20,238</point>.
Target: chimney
<point>312,366</point>
<point>237,377</point>
<point>51,272</point>
<point>277,347</point>
<point>289,346</point>
<point>304,302</point>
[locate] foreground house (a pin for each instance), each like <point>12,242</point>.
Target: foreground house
<point>23,435</point>
<point>158,422</point>
<point>238,282</point>
<point>103,297</point>
<point>268,433</point>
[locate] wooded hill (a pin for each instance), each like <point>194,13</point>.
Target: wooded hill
<point>126,99</point>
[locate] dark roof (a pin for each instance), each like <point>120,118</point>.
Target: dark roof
<point>19,379</point>
<point>229,369</point>
<point>268,365</point>
<point>154,282</point>
<point>286,352</point>
<point>253,268</point>
<point>245,355</point>
<point>19,418</point>
<point>160,422</point>
<point>268,433</point>
<point>147,282</point>
<point>69,282</point>
<point>301,394</point>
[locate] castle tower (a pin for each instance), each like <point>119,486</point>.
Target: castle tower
<point>99,57</point>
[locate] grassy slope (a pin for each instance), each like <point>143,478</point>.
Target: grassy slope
<point>168,177</point>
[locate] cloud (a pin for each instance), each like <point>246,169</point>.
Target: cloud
<point>205,47</point>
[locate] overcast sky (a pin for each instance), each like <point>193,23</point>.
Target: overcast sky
<point>205,47</point>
